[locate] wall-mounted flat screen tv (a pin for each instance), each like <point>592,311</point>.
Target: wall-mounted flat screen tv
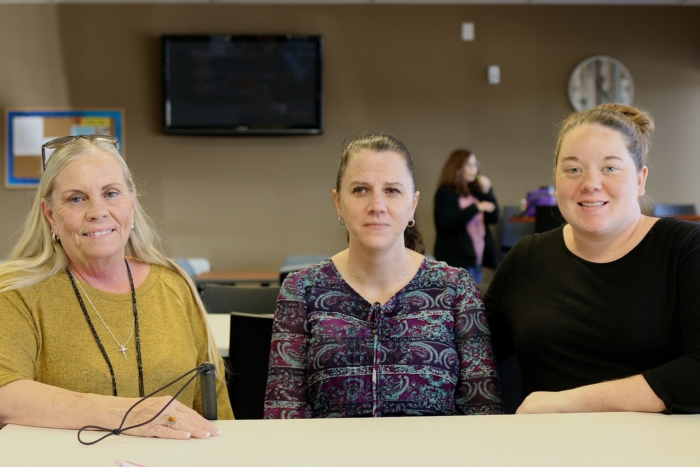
<point>242,85</point>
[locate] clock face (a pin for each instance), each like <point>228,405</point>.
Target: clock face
<point>600,80</point>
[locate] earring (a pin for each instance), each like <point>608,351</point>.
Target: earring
<point>341,221</point>
<point>412,222</point>
<point>54,237</point>
<point>132,225</point>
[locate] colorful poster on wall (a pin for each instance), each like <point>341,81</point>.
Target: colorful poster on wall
<point>26,130</point>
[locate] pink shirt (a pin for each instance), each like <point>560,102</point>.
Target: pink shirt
<point>476,228</point>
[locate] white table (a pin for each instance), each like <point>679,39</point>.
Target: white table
<point>571,440</point>
<point>220,324</point>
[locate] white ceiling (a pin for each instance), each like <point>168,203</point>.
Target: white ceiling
<point>415,2</point>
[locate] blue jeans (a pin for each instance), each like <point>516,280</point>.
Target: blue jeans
<point>476,272</point>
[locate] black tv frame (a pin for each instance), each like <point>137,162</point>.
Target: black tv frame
<point>241,130</point>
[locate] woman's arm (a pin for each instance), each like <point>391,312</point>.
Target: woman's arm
<point>631,394</point>
<point>477,390</point>
<point>491,217</point>
<point>287,393</point>
<point>677,382</point>
<point>27,402</point>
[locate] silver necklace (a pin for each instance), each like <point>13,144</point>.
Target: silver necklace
<point>122,347</point>
<point>395,285</point>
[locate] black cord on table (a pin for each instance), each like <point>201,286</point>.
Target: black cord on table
<point>120,430</point>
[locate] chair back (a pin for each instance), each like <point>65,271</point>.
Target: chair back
<point>251,310</point>
<point>299,262</point>
<point>220,298</point>
<point>194,266</point>
<point>248,359</point>
<point>668,210</point>
<point>512,232</point>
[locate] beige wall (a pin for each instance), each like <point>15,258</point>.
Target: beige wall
<point>249,202</point>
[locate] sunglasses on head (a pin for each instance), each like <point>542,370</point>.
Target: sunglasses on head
<point>64,140</point>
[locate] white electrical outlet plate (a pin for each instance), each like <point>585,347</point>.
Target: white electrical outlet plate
<point>467,31</point>
<point>494,74</point>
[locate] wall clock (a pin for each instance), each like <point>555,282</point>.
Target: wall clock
<point>599,80</point>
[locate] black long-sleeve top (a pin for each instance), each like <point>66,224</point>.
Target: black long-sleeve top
<point>573,322</point>
<point>453,244</point>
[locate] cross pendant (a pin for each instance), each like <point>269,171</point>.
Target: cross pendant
<point>123,350</point>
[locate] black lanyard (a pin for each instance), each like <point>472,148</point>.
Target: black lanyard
<point>97,337</point>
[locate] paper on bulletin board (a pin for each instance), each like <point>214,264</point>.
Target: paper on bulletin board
<point>26,130</point>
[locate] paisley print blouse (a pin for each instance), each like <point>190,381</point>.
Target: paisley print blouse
<point>426,351</point>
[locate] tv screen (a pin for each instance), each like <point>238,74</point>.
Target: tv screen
<point>242,85</point>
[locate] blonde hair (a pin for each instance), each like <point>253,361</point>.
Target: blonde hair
<point>37,257</point>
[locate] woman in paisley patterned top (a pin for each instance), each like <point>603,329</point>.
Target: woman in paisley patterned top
<point>378,329</point>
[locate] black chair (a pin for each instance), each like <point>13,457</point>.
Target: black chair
<point>547,218</point>
<point>227,298</point>
<point>512,232</point>
<point>299,262</point>
<point>248,359</point>
<point>669,210</point>
<point>251,310</point>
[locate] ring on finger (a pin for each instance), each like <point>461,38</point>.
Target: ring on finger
<point>172,419</point>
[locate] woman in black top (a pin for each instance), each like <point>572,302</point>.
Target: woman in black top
<point>604,312</point>
<point>464,207</point>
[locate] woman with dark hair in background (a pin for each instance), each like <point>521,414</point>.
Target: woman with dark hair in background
<point>378,329</point>
<point>464,207</point>
<point>603,312</point>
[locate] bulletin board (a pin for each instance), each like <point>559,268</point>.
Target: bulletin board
<point>26,130</point>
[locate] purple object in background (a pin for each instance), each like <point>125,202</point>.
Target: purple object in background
<point>543,196</point>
